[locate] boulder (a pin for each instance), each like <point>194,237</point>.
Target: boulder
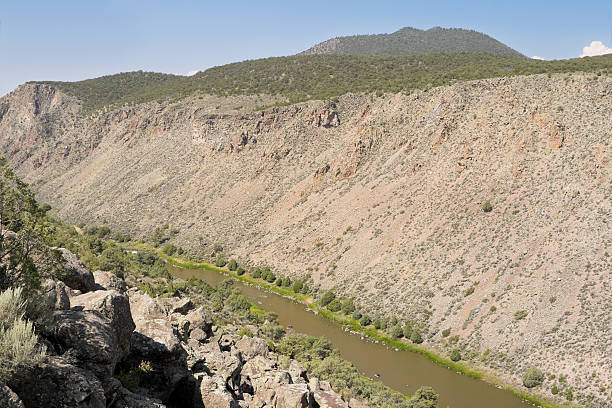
<point>328,399</point>
<point>156,334</point>
<point>92,338</point>
<point>355,403</point>
<point>215,395</point>
<point>8,399</point>
<point>251,347</point>
<point>292,396</point>
<point>109,281</point>
<point>57,294</point>
<point>177,305</point>
<point>127,399</point>
<point>115,307</point>
<point>199,318</point>
<point>56,384</point>
<point>298,373</point>
<point>76,275</point>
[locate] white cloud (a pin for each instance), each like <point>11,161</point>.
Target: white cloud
<point>192,73</point>
<point>595,48</point>
<point>538,58</point>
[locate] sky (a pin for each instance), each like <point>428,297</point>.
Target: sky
<point>75,40</point>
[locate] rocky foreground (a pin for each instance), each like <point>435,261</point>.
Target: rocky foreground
<point>114,346</point>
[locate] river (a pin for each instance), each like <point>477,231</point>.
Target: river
<point>401,370</point>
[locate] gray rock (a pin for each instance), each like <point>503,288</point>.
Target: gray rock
<point>355,403</point>
<point>8,399</point>
<point>56,384</point>
<point>328,399</point>
<point>91,337</point>
<point>157,333</point>
<point>199,318</point>
<point>115,307</point>
<point>215,395</point>
<point>298,373</point>
<point>109,281</point>
<point>251,347</point>
<point>76,276</point>
<point>127,399</point>
<point>57,294</point>
<point>292,396</point>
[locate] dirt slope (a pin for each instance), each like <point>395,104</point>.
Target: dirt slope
<point>381,197</point>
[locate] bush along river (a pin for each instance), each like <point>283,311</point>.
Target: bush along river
<point>403,371</point>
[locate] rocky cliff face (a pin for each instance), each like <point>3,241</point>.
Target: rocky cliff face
<point>381,197</point>
<point>166,352</point>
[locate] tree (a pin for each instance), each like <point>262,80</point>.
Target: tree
<point>365,320</point>
<point>415,337</point>
<point>425,397</point>
<point>348,306</point>
<point>397,332</point>
<point>327,298</point>
<point>455,354</point>
<point>25,235</point>
<point>334,306</point>
<point>533,377</point>
<point>232,265</point>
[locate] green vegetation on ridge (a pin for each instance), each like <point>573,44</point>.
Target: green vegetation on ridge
<point>305,77</point>
<point>408,40</point>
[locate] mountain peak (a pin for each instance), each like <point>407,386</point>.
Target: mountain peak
<point>413,41</point>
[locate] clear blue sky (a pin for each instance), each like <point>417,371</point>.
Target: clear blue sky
<point>73,40</point>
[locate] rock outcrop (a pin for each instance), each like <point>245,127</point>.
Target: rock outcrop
<point>76,275</point>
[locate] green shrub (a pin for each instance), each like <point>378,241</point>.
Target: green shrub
<point>169,249</point>
<point>446,332</point>
<point>279,282</point>
<point>365,320</point>
<point>232,265</point>
<point>334,306</point>
<point>348,306</point>
<point>245,331</point>
<point>487,207</point>
<point>273,330</point>
<point>297,286</point>
<point>327,298</point>
<point>397,332</point>
<point>533,377</point>
<point>408,331</point>
<point>377,324</point>
<point>240,271</point>
<point>569,394</point>
<point>415,337</point>
<point>455,354</point>
<point>356,315</point>
<point>425,397</point>
<point>19,348</point>
<point>520,314</point>
<point>220,262</point>
<point>554,389</point>
<point>286,281</point>
<point>132,378</point>
<point>256,273</point>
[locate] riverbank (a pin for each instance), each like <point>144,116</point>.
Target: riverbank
<point>352,324</point>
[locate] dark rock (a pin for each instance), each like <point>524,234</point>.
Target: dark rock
<point>91,337</point>
<point>109,281</point>
<point>76,276</point>
<point>57,294</point>
<point>56,384</point>
<point>8,399</point>
<point>115,307</point>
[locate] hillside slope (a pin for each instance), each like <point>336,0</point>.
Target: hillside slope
<point>408,41</point>
<point>308,77</point>
<point>381,197</point>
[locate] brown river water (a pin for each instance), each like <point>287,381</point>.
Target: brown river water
<point>401,370</point>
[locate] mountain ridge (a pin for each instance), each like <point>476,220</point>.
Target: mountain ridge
<point>408,41</point>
